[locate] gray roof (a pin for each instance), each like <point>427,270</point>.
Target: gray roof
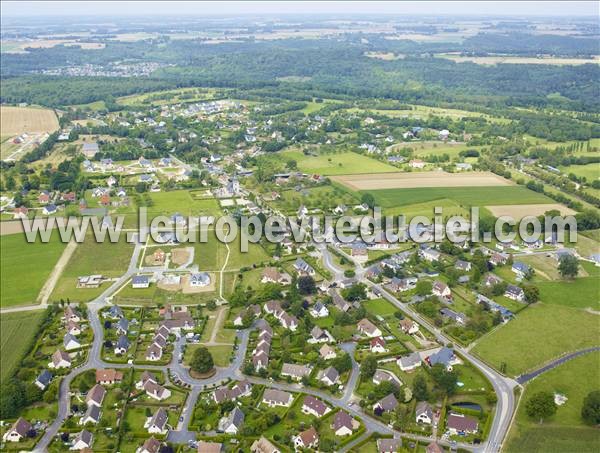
<point>44,378</point>
<point>159,419</point>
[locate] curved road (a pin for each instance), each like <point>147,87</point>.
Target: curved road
<point>522,379</point>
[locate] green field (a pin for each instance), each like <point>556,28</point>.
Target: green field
<point>181,201</point>
<point>16,331</point>
<point>590,171</point>
<point>560,292</point>
<point>25,267</point>
<point>537,335</point>
<point>321,197</point>
<point>564,431</point>
<point>465,196</point>
<point>345,163</point>
<point>90,257</point>
<point>450,208</point>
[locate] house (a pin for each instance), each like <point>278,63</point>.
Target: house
<point>43,379</point>
<point>233,422</point>
<point>386,376</point>
<point>272,275</point>
<point>84,439</point>
<point>114,312</point>
<point>288,321</point>
<point>154,352</point>
<point>157,424</point>
<point>319,310</point>
<point>49,209</point>
<point>377,345</point>
<point>402,284</point>
<point>302,212</point>
<point>461,265</point>
<point>17,431</point>
<point>60,359</point>
<point>434,447</point>
<point>359,254</point>
<point>70,342</point>
<point>273,307</point>
<point>89,150</point>
<point>445,356</point>
<point>253,310</point>
<point>303,268</point>
<point>95,396</point>
<point>122,345</point>
<point>515,293</point>
<point>443,134</point>
<point>327,352</point>
<point>314,406</point>
<point>108,376</point>
<point>295,371</point>
<point>461,424</point>
<point>263,445</point>
<point>491,280</point>
<point>151,445</point>
<point>423,413</point>
<point>44,197</point>
<point>367,328</point>
<point>430,254</point>
<point>274,397</point>
<point>318,335</point>
<point>386,404</point>
<point>409,326</point>
<point>458,318</point>
<point>209,447</point>
<point>343,424</point>
<point>147,376</point>
<point>71,314</point>
<point>498,259</point>
<point>199,279</point>
<point>122,326</point>
<point>521,269</point>
<point>416,163</point>
<point>92,415</point>
<point>20,212</point>
<point>440,289</point>
<point>409,362</point>
<point>306,439</point>
<point>389,445</point>
<point>140,281</point>
<point>330,376</point>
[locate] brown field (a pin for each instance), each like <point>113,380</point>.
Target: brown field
<point>386,56</point>
<point>16,120</point>
<point>494,60</point>
<point>517,212</point>
<point>420,179</point>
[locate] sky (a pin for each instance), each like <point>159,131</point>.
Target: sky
<point>122,8</point>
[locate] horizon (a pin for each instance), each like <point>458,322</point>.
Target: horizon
<point>41,9</point>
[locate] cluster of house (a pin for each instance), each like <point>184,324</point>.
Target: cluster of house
<point>61,357</point>
<point>273,307</point>
<point>173,322</point>
<point>260,354</point>
<point>121,326</point>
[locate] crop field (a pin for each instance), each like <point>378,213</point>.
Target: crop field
<point>16,331</point>
<point>537,335</point>
<point>25,267</point>
<point>449,207</point>
<point>16,120</point>
<point>518,211</point>
<point>464,196</point>
<point>344,163</point>
<point>564,431</point>
<point>494,60</point>
<point>416,180</point>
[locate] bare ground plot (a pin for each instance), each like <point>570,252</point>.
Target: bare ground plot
<point>17,120</point>
<point>180,256</point>
<point>420,180</point>
<point>498,59</point>
<point>517,212</point>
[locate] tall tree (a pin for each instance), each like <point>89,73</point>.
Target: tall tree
<point>541,406</point>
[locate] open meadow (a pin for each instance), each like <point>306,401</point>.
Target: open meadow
<point>518,211</point>
<point>336,164</point>
<point>537,335</point>
<point>17,120</point>
<point>16,331</point>
<point>26,267</point>
<point>564,431</point>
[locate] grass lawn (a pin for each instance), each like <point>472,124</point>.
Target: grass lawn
<point>560,291</point>
<point>20,260</point>
<point>450,208</point>
<point>536,336</point>
<point>220,353</point>
<point>345,163</point>
<point>590,171</point>
<point>17,330</point>
<point>564,431</point>
<point>380,307</point>
<point>168,203</point>
<point>90,257</point>
<point>464,196</point>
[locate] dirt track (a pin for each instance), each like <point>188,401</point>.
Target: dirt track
<point>420,179</point>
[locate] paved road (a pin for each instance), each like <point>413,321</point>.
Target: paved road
<point>522,379</point>
<point>503,386</point>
